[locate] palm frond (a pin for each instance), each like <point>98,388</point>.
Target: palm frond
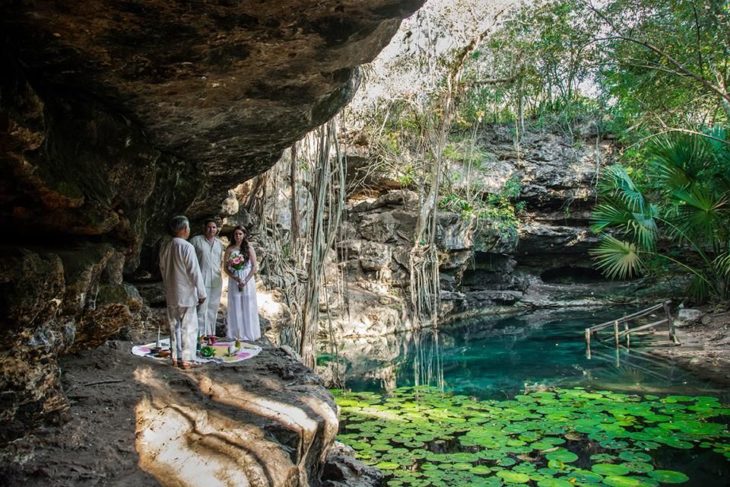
<point>644,230</point>
<point>617,259</point>
<point>677,159</point>
<point>607,215</point>
<point>618,184</point>
<point>701,213</point>
<point>722,264</point>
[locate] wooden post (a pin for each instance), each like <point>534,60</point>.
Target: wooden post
<point>615,332</point>
<point>670,324</point>
<point>628,334</point>
<point>588,343</point>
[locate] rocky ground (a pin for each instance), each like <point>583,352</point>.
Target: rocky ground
<point>97,446</point>
<point>135,422</point>
<point>705,345</point>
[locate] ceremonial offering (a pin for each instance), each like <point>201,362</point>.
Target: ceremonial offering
<point>224,351</point>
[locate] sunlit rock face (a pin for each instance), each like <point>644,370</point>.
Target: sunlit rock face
<point>115,115</point>
<point>268,423</point>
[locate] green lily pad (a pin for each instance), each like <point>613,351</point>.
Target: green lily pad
<point>586,477</point>
<point>513,477</point>
<point>668,476</point>
<point>603,457</point>
<point>634,456</point>
<point>562,455</point>
<point>609,469</point>
<point>481,470</point>
<point>621,481</point>
<point>554,483</point>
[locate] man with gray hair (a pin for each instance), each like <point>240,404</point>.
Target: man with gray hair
<point>184,290</point>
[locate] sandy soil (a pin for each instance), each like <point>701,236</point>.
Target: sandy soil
<point>96,445</point>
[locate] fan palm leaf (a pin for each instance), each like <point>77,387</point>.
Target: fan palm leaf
<point>678,159</point>
<point>723,263</point>
<point>701,213</point>
<point>617,183</point>
<point>617,259</point>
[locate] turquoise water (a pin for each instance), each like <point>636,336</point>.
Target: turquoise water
<point>498,357</point>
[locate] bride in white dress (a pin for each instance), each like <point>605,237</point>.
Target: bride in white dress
<point>243,316</point>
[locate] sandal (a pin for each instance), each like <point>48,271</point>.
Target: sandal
<point>189,365</point>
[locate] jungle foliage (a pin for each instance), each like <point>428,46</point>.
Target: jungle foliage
<point>652,73</point>
<point>683,199</point>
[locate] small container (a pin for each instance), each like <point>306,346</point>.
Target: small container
<point>231,349</point>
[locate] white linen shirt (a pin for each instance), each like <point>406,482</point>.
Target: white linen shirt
<point>210,257</point>
<point>181,274</point>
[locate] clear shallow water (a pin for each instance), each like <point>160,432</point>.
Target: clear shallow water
<point>498,357</point>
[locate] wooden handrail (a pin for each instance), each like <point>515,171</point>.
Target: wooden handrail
<point>632,316</point>
<point>627,331</point>
<point>644,327</point>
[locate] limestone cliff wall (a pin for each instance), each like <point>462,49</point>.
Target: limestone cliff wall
<point>483,268</point>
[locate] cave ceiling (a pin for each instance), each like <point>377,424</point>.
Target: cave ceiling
<point>107,105</point>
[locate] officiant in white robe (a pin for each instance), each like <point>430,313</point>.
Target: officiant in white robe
<point>209,251</point>
<point>184,290</point>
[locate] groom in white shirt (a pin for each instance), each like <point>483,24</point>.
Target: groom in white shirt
<point>210,256</point>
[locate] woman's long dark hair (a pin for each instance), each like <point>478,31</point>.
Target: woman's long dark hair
<point>244,242</point>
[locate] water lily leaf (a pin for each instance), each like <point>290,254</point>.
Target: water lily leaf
<point>554,483</point>
<point>562,455</point>
<point>584,477</point>
<point>609,469</point>
<point>557,465</point>
<point>506,461</point>
<point>668,476</point>
<point>676,399</point>
<point>481,470</point>
<point>603,457</point>
<point>614,444</point>
<point>634,456</point>
<point>619,481</point>
<point>542,445</point>
<point>699,428</point>
<point>675,442</point>
<point>513,477</point>
<point>639,467</point>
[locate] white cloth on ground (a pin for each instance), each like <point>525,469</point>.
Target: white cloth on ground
<point>243,313</point>
<point>210,256</point>
<point>183,321</point>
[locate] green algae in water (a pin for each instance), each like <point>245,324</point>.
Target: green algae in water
<point>558,438</point>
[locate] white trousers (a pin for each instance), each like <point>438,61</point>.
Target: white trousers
<point>183,321</point>
<point>208,311</point>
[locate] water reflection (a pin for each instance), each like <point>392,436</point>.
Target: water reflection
<point>499,357</point>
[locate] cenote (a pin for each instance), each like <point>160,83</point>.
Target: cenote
<point>515,400</point>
